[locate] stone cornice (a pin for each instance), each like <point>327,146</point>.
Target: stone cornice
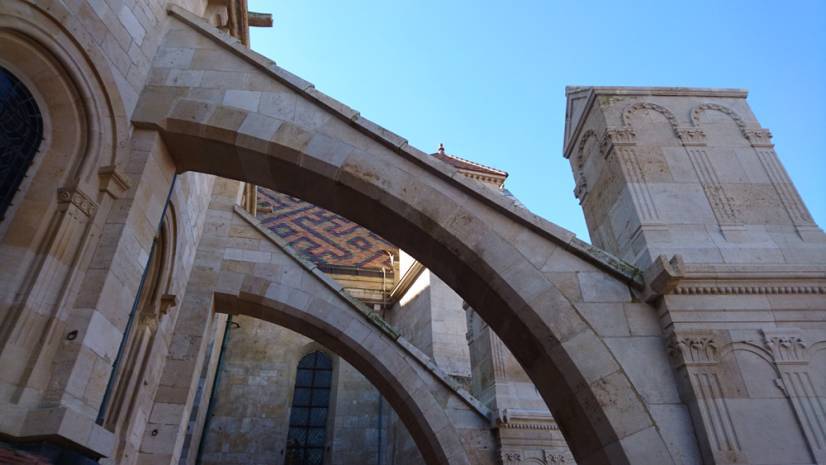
<point>679,278</point>
<point>596,91</point>
<point>661,91</point>
<point>526,419</point>
<point>405,282</point>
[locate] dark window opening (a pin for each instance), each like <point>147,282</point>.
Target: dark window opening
<point>308,415</point>
<point>21,130</point>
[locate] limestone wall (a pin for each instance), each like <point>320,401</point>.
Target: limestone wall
<point>249,419</point>
<point>431,316</point>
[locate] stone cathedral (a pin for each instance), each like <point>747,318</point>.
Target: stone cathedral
<point>205,260</point>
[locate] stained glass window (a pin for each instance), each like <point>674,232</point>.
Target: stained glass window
<point>308,415</point>
<point>21,130</point>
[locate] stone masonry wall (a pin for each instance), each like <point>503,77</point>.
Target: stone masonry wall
<point>249,419</point>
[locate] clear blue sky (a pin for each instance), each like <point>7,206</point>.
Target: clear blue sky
<point>488,78</point>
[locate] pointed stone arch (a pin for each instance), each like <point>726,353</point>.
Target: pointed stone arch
<point>273,129</point>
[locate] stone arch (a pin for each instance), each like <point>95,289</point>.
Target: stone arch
<point>581,189</point>
<point>83,69</point>
<point>313,346</point>
<point>489,251</point>
<point>634,107</point>
<point>447,424</point>
<point>589,134</point>
<point>699,109</point>
<point>70,186</point>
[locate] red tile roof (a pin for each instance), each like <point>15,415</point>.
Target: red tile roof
<point>464,164</point>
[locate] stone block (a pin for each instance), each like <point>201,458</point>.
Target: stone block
<point>599,287</point>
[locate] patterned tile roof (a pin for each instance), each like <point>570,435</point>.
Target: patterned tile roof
<point>331,241</point>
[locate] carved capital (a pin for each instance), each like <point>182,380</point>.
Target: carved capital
<point>616,137</point>
<point>785,345</point>
<point>113,181</point>
<point>693,349</point>
<point>758,137</point>
<point>511,457</point>
<point>74,197</point>
<point>692,136</point>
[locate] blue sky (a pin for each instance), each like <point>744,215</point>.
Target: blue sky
<point>488,78</point>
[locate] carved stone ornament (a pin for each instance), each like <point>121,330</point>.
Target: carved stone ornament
<point>630,109</point>
<point>113,181</point>
<point>786,346</point>
<point>616,137</point>
<point>66,197</point>
<point>511,457</point>
<point>537,456</point>
<point>693,349</point>
<point>692,136</point>
<point>758,137</point>
<point>699,109</point>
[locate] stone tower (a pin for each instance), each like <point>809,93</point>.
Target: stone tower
<point>689,172</point>
<point>686,185</point>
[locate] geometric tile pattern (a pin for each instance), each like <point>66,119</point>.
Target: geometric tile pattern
<point>322,236</point>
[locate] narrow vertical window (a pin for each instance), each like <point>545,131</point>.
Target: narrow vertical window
<point>21,130</point>
<point>308,415</point>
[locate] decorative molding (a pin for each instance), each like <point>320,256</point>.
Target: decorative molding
<point>699,109</point>
<point>785,345</point>
<point>67,196</point>
<point>791,354</point>
<point>675,277</point>
<point>720,203</point>
<point>640,194</point>
<point>784,187</point>
<point>693,349</point>
<point>581,148</point>
<point>746,290</point>
<point>498,356</point>
<point>533,426</point>
<point>535,455</point>
<point>631,109</point>
<point>616,137</point>
<point>113,181</point>
<point>758,137</point>
<point>692,136</point>
<point>698,354</point>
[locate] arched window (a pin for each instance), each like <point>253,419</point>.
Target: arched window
<point>308,415</point>
<point>21,130</point>
<point>132,375</point>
